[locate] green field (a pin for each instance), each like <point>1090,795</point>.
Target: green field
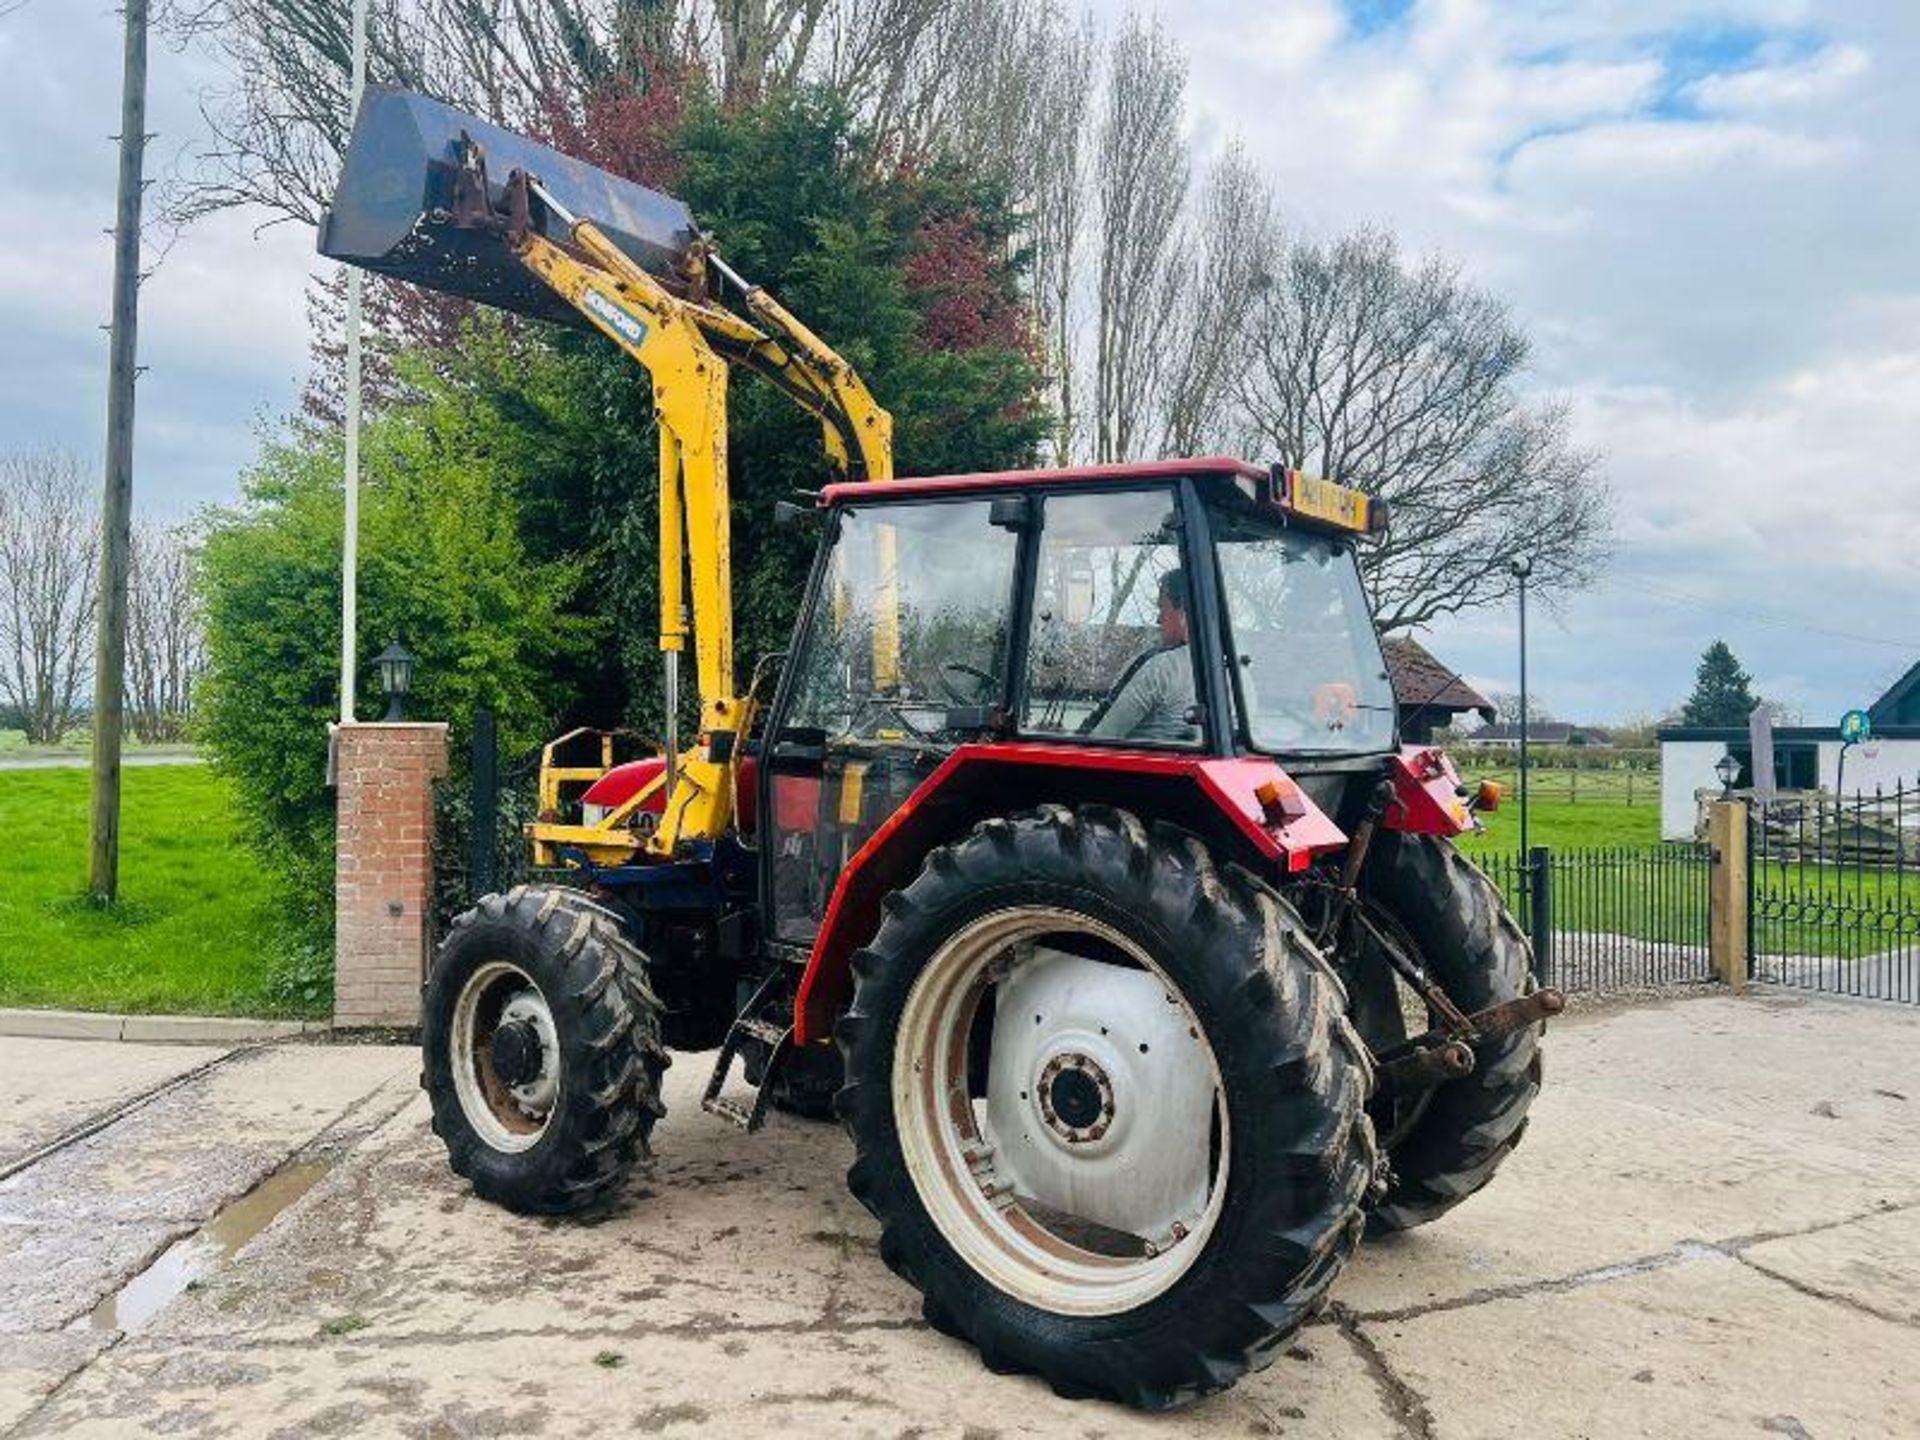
<point>194,931</point>
<point>13,744</point>
<point>1614,875</point>
<point>1580,824</point>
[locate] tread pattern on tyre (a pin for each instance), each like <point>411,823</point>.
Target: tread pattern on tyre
<point>608,1018</point>
<point>1473,947</point>
<point>1297,1074</point>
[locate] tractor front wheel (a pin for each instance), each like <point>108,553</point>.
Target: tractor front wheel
<point>541,1043</point>
<point>1106,1105</point>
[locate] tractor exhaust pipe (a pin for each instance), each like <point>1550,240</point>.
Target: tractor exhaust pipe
<point>406,206</point>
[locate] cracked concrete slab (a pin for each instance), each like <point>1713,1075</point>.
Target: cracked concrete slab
<point>55,1086</point>
<point>854,1380</point>
<point>1828,1078</point>
<point>1873,1263</point>
<point>32,1366</point>
<point>1608,1283</point>
<point>1706,1346</point>
<point>84,1219</point>
<point>1645,1180</point>
<point>196,1146</point>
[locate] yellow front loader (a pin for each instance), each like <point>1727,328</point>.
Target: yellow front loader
<point>453,236</point>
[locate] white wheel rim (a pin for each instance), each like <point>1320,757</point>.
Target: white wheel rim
<point>509,1118</point>
<point>969,1175</point>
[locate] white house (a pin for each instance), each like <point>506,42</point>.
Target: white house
<point>1805,757</point>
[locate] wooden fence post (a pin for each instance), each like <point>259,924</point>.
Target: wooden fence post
<point>1728,896</point>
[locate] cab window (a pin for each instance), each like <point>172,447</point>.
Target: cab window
<point>1108,657</point>
<point>912,622</point>
<point>1309,676</point>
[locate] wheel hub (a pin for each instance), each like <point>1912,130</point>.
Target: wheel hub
<point>1076,1097</point>
<point>516,1053</point>
<point>1100,1096</point>
<point>505,1056</point>
<point>535,1047</point>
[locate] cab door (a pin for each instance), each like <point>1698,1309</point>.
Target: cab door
<point>900,653</point>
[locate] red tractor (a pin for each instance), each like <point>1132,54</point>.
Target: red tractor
<point>1072,860</point>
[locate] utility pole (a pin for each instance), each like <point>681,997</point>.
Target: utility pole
<point>350,523</point>
<point>116,510</point>
<point>1522,568</point>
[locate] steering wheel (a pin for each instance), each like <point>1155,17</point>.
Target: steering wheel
<point>983,682</point>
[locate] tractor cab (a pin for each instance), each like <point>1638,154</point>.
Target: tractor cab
<point>1183,609</point>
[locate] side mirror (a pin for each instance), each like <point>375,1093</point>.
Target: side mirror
<point>1011,512</point>
<point>789,512</point>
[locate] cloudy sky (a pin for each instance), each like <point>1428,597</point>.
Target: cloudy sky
<point>1704,211</point>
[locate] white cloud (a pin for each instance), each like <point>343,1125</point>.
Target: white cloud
<point>1710,240</point>
<point>1638,150</point>
<point>1771,87</point>
<point>1702,212</point>
<point>1816,469</point>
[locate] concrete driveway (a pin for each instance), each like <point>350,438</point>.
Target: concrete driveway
<point>1712,1230</point>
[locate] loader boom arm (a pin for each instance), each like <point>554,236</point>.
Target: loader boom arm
<point>688,347</point>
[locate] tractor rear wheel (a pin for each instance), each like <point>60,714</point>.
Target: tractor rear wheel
<point>1106,1105</point>
<point>541,1042</point>
<point>1451,1141</point>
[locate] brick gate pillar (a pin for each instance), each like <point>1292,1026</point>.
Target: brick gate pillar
<point>383,868</point>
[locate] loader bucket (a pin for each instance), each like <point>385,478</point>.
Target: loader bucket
<point>391,211</point>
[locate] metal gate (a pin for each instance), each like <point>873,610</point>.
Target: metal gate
<point>1613,918</point>
<point>1834,893</point>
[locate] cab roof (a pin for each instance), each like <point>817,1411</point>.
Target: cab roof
<point>1222,467</point>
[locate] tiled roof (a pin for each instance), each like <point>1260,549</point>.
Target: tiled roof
<point>1420,681</point>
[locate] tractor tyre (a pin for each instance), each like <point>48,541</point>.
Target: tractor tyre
<point>541,1041</point>
<point>1469,943</point>
<point>1187,1040</point>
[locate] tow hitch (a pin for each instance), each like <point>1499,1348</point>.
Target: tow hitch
<point>1446,1051</point>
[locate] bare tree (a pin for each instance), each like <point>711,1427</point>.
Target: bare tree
<point>1001,87</point>
<point>49,571</point>
<point>1057,205</point>
<point>1236,244</point>
<point>1506,708</point>
<point>764,44</point>
<point>1404,382</point>
<point>1140,181</point>
<point>281,119</point>
<point>165,642</point>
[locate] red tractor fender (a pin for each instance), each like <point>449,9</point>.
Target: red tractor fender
<point>1250,804</point>
<point>1428,798</point>
<point>622,782</point>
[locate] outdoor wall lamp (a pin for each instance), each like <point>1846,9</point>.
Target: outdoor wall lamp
<point>395,664</point>
<point>1728,769</point>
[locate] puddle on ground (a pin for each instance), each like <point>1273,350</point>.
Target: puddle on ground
<point>134,1304</point>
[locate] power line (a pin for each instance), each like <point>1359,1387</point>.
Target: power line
<point>1762,617</point>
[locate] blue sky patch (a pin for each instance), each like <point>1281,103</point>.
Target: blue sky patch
<point>1366,18</point>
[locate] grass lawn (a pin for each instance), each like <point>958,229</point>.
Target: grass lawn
<point>1580,824</point>
<point>195,929</point>
<point>74,742</point>
<point>1613,874</point>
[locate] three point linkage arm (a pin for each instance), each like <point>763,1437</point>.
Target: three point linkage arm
<point>687,345</point>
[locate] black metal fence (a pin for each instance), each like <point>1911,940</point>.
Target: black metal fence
<point>1611,919</point>
<point>1834,892</point>
<point>479,833</point>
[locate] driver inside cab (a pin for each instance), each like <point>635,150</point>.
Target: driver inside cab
<point>1153,698</point>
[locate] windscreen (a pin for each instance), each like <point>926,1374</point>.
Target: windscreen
<point>1310,673</point>
<point>913,622</point>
